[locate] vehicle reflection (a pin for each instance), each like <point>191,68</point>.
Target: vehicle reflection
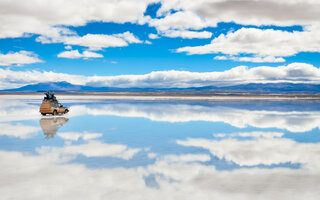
<point>50,125</point>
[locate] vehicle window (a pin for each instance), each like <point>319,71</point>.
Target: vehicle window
<point>54,104</point>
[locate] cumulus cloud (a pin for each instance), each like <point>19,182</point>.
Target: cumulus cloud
<point>75,54</point>
<point>18,17</point>
<point>268,59</point>
<point>68,47</point>
<point>147,42</point>
<point>42,19</point>
<point>187,34</point>
<point>94,41</point>
<point>153,36</point>
<point>293,73</point>
<point>186,158</point>
<point>267,43</point>
<point>8,79</point>
<point>129,37</point>
<point>259,12</point>
<point>98,41</point>
<point>178,20</point>
<point>255,134</point>
<point>18,58</point>
<point>177,25</point>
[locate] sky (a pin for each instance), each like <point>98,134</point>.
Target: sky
<point>159,43</point>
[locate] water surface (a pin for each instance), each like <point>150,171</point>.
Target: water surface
<point>160,149</point>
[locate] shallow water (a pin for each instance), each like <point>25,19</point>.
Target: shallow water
<point>160,149</point>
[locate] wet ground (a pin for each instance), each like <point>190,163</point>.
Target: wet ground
<point>160,149</point>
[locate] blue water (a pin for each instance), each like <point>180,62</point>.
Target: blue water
<point>160,149</point>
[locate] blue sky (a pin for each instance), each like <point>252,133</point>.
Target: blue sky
<point>106,39</point>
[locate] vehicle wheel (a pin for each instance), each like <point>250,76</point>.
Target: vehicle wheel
<point>55,112</point>
<point>43,114</point>
<point>66,111</point>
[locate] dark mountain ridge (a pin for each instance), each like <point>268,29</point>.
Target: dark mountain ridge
<point>67,87</point>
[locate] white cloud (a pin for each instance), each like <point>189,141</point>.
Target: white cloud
<point>178,20</point>
<point>18,130</point>
<point>293,73</point>
<point>265,45</point>
<point>94,41</point>
<point>48,20</point>
<point>176,25</point>
<point>255,134</point>
<point>256,59</point>
<point>8,79</point>
<point>186,158</point>
<point>68,47</point>
<point>186,34</point>
<point>153,36</point>
<point>39,18</point>
<point>129,37</point>
<point>75,54</point>
<point>89,54</point>
<point>259,12</point>
<point>18,58</point>
<point>19,17</point>
<point>147,42</point>
<point>262,43</point>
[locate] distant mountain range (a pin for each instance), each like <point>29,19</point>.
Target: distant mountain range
<point>246,88</point>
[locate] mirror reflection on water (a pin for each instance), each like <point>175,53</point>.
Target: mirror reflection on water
<point>160,149</point>
<point>50,125</point>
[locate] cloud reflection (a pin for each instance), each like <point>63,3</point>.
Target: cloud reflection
<point>37,177</point>
<point>18,130</point>
<point>56,172</point>
<point>266,149</point>
<point>90,149</point>
<point>238,115</point>
<point>294,121</point>
<point>75,136</point>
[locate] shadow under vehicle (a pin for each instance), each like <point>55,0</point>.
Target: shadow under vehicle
<point>51,125</point>
<point>50,105</point>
